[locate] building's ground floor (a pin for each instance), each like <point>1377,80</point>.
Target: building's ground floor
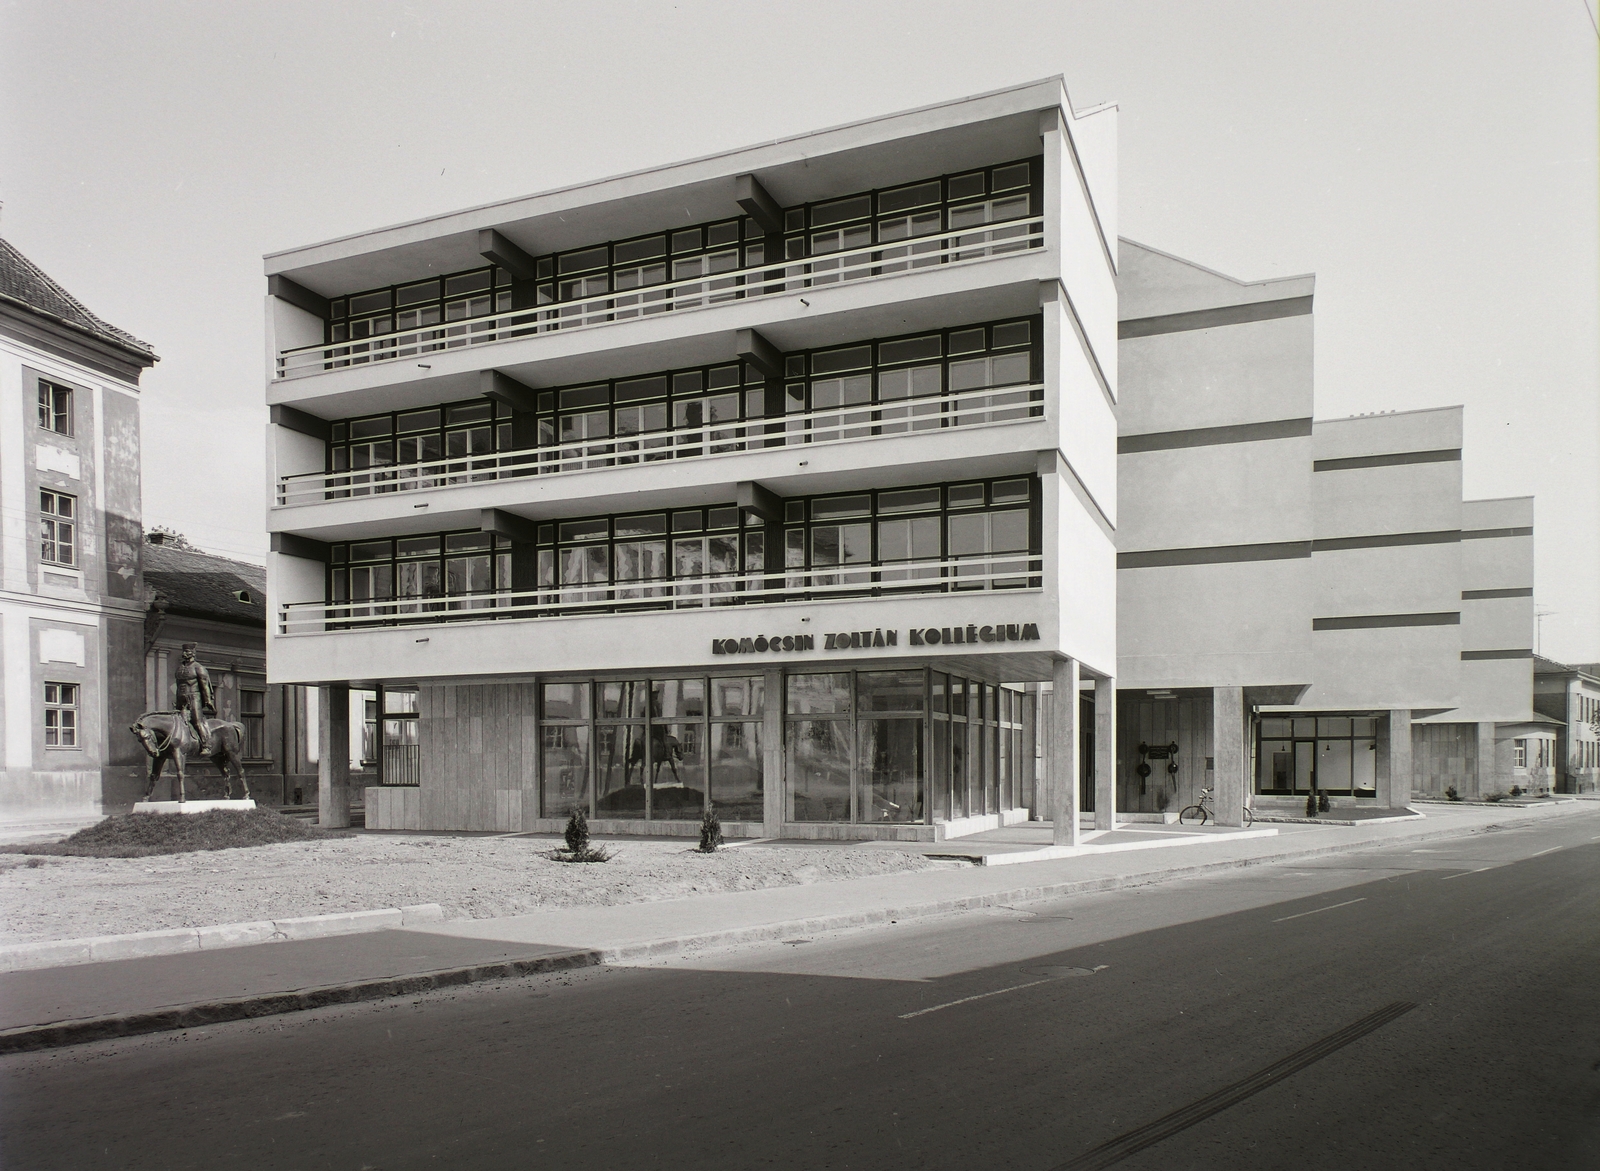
<point>903,750</point>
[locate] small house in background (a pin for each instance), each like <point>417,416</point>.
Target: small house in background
<point>1568,694</point>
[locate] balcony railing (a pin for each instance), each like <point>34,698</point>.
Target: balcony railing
<point>841,424</point>
<point>676,296</point>
<point>998,571</point>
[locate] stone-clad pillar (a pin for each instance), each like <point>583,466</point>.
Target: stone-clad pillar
<point>1231,754</point>
<point>772,782</point>
<point>1394,788</point>
<point>1483,778</point>
<point>333,756</point>
<point>1064,752</point>
<point>1105,754</point>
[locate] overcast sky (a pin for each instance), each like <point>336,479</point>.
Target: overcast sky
<point>1434,163</point>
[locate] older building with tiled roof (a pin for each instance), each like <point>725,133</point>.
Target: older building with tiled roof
<point>71,598</point>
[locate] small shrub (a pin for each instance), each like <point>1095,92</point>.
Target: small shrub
<point>1495,797</point>
<point>1516,790</point>
<point>710,833</point>
<point>578,832</point>
<point>1451,794</point>
<point>1323,805</point>
<point>1311,803</point>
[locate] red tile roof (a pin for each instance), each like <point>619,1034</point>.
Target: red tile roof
<point>24,283</point>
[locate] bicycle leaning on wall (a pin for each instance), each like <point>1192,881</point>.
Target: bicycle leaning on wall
<point>1202,812</point>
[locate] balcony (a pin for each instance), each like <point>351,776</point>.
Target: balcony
<point>703,290</point>
<point>972,575</point>
<point>973,410</point>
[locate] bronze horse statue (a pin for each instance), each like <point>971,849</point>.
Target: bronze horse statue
<point>168,736</point>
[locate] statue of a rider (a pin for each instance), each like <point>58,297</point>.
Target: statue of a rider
<point>194,694</point>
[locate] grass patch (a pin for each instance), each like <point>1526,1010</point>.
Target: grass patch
<point>140,835</point>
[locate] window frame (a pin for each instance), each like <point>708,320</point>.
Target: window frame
<point>52,412</point>
<point>67,702</point>
<point>51,521</point>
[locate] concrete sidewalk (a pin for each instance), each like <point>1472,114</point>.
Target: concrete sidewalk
<point>49,1007</point>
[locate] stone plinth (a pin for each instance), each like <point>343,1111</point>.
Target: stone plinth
<point>191,806</point>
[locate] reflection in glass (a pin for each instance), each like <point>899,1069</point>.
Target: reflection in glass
<point>677,772</point>
<point>819,694</point>
<point>736,789</point>
<point>891,761</point>
<point>619,770</point>
<point>818,753</point>
<point>564,768</point>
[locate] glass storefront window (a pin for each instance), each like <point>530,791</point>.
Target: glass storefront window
<point>889,691</point>
<point>1337,755</point>
<point>566,701</point>
<point>892,769</point>
<point>677,771</point>
<point>737,697</point>
<point>619,770</point>
<point>819,766</point>
<point>737,792</point>
<point>818,694</point>
<point>564,769</point>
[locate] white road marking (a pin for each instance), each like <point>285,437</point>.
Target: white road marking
<point>1464,873</point>
<point>1551,850</point>
<point>905,1016</point>
<point>1319,910</point>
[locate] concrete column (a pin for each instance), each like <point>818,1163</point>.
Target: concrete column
<point>1399,758</point>
<point>773,796</point>
<point>1231,754</point>
<point>1483,778</point>
<point>1105,754</point>
<point>333,756</point>
<point>1030,751</point>
<point>1063,763</point>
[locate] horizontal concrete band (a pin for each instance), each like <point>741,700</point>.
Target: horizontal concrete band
<point>1385,541</point>
<point>1488,534</point>
<point>1442,455</point>
<point>1214,436</point>
<point>1471,656</point>
<point>1211,318</point>
<point>1479,595</point>
<point>1214,554</point>
<point>1277,550</point>
<point>1378,621</point>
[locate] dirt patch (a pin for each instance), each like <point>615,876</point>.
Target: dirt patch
<point>476,878</point>
<point>144,835</point>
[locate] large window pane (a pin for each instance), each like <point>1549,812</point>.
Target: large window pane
<point>737,792</point>
<point>889,691</point>
<point>891,762</point>
<point>818,754</point>
<point>564,769</point>
<point>677,771</point>
<point>622,699</point>
<point>818,694</point>
<point>619,770</point>
<point>678,698</point>
<point>737,697</point>
<point>566,701</point>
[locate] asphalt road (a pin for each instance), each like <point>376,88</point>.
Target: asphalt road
<point>1430,1007</point>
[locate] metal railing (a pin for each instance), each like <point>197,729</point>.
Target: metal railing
<point>675,296</point>
<point>997,571</point>
<point>840,424</point>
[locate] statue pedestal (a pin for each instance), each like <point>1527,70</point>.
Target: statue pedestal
<point>190,806</point>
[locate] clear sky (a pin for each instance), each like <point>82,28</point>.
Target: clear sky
<point>1434,163</point>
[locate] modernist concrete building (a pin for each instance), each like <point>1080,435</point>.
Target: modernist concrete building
<point>783,482</point>
<point>70,536</point>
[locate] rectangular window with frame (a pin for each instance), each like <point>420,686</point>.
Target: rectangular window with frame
<point>55,407</point>
<point>253,715</point>
<point>58,521</point>
<point>61,715</point>
<point>1519,754</point>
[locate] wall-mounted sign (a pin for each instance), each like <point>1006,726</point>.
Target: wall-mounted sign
<point>858,640</point>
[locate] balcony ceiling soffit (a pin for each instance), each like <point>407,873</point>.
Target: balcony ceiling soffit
<point>560,220</point>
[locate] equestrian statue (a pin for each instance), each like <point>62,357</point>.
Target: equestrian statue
<point>173,736</point>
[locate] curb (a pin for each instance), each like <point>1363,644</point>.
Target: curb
<point>77,1032</point>
<point>190,1016</point>
<point>58,953</point>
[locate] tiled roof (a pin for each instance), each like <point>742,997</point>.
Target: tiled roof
<point>25,283</point>
<point>203,585</point>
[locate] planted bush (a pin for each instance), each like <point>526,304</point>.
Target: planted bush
<point>578,848</point>
<point>1451,794</point>
<point>710,833</point>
